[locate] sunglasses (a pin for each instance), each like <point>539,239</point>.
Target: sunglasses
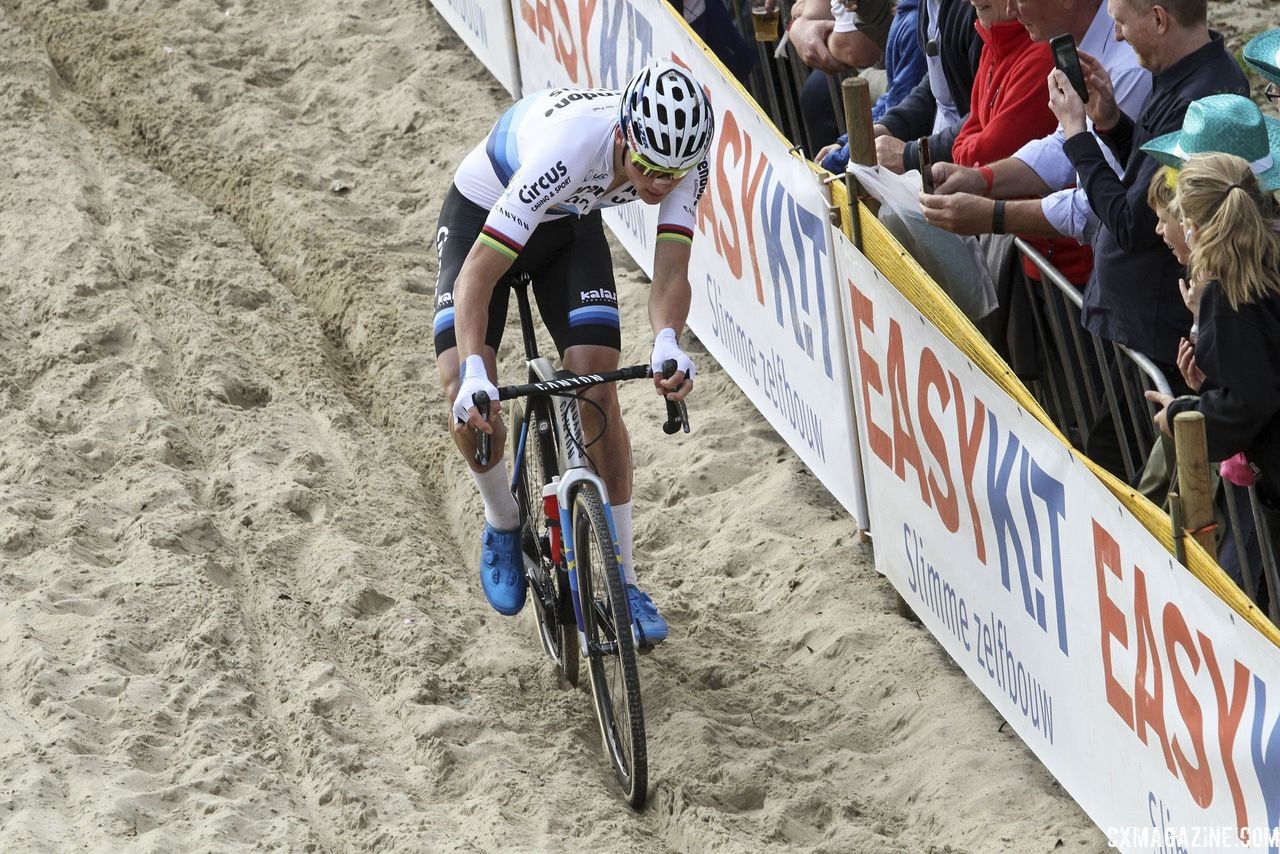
<point>649,170</point>
<point>1272,92</point>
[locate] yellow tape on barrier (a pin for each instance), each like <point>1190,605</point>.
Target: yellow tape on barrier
<point>896,265</point>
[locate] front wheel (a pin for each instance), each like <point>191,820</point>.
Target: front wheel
<point>611,655</point>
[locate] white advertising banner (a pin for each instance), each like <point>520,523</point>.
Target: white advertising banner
<point>1145,695</point>
<point>485,27</point>
<point>764,300</point>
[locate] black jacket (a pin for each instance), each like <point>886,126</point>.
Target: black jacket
<point>958,48</point>
<point>1239,352</point>
<point>1132,297</point>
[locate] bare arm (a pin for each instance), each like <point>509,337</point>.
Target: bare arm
<point>809,31</point>
<point>854,49</point>
<point>965,213</point>
<point>669,299</point>
<point>1013,179</point>
<point>472,291</point>
<point>471,294</point>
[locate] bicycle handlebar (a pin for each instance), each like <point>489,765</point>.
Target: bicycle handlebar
<point>481,400</point>
<point>677,412</point>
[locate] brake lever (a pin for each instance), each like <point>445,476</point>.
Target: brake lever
<point>481,400</point>
<point>677,412</point>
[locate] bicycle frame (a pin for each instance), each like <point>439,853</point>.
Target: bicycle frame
<point>574,464</point>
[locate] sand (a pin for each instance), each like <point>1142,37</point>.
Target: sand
<point>237,603</point>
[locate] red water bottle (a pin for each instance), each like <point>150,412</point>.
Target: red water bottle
<point>551,508</point>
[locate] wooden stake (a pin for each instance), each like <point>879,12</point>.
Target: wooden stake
<point>1193,479</point>
<point>857,118</point>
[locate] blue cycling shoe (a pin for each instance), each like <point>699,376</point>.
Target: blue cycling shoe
<point>502,570</point>
<point>647,626</point>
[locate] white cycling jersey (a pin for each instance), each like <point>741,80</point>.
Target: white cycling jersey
<point>551,155</point>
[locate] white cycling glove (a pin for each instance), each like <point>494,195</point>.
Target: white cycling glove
<point>666,347</point>
<point>474,378</point>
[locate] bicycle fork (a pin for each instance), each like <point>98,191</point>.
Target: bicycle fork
<point>565,494</point>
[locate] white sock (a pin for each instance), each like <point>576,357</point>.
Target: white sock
<point>500,508</point>
<point>626,539</point>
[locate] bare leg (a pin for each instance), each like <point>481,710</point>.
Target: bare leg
<point>493,481</point>
<point>612,452</point>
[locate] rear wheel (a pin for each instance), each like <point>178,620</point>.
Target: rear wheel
<point>611,655</point>
<point>552,606</point>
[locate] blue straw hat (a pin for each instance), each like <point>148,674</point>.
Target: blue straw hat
<point>1263,55</point>
<point>1228,124</point>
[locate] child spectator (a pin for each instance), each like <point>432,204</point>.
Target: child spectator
<point>1235,252</point>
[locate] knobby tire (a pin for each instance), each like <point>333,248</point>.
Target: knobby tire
<point>615,681</point>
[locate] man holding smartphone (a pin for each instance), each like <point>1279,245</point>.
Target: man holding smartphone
<point>1133,297</point>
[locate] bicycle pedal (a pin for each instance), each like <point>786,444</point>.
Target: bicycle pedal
<point>641,646</point>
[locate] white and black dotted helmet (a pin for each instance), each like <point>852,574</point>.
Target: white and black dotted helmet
<point>665,116</point>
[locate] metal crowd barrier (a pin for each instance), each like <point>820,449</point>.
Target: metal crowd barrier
<point>1092,376</point>
<point>777,80</point>
<point>1265,536</point>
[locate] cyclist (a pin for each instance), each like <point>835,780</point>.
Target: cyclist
<point>528,199</point>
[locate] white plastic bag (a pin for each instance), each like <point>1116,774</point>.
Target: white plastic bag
<point>956,262</point>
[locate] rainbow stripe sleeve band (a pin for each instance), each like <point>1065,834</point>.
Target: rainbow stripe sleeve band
<point>495,239</point>
<point>675,232</point>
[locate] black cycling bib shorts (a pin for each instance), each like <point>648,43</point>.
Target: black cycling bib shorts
<point>571,266</point>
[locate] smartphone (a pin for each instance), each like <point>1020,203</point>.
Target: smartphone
<point>926,166</point>
<point>1066,59</point>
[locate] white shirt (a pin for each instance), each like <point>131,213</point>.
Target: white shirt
<point>1067,209</point>
<point>845,20</point>
<point>947,114</point>
<point>550,155</point>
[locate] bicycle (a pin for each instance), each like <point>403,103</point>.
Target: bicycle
<point>569,542</point>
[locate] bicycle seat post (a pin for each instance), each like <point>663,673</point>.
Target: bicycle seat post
<point>520,284</point>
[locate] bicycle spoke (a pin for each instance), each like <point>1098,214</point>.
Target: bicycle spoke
<point>611,654</point>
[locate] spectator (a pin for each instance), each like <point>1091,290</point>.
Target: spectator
<point>1262,54</point>
<point>1160,193</point>
<point>1232,538</point>
<point>904,67</point>
<point>1157,473</point>
<point>1007,106</point>
<point>714,25</point>
<point>1132,296</point>
<point>939,104</point>
<point>831,39</point>
<point>1235,250</point>
<point>1046,206</point>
